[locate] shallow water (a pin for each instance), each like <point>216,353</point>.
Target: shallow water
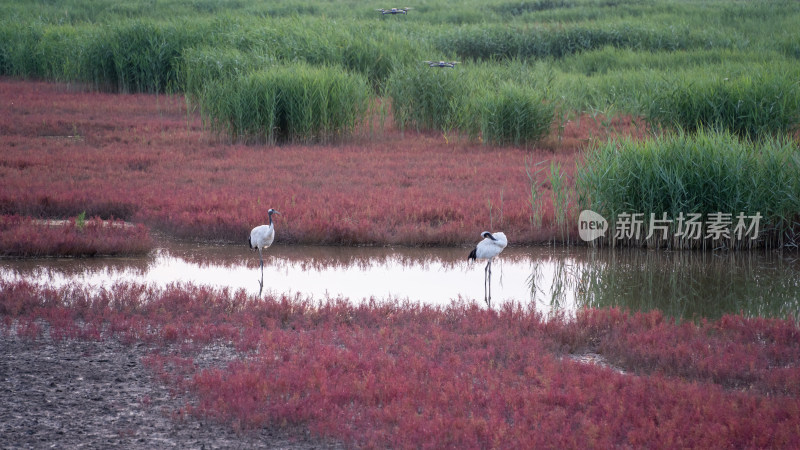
<point>683,284</point>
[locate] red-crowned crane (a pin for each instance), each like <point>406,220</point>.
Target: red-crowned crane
<point>491,246</point>
<point>261,237</point>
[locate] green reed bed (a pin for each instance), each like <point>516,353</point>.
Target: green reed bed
<point>665,61</point>
<point>750,93</point>
<point>428,99</point>
<point>760,102</point>
<point>148,55</point>
<point>201,66</point>
<point>357,46</point>
<point>704,173</point>
<point>296,103</point>
<point>125,56</point>
<point>513,114</point>
<point>556,41</point>
<point>456,100</point>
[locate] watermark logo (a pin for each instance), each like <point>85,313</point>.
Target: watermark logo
<point>591,225</point>
<point>716,226</point>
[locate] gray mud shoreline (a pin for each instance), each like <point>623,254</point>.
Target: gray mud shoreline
<point>98,394</point>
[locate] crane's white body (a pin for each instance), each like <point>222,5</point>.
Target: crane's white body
<point>262,236</point>
<point>491,246</point>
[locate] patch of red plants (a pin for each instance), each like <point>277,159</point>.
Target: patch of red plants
<point>26,237</point>
<point>737,353</point>
<point>390,374</point>
<point>145,159</point>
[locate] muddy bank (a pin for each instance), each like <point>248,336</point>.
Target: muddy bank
<point>87,394</point>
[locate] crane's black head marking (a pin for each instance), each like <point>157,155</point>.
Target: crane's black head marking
<point>486,234</point>
<point>270,212</point>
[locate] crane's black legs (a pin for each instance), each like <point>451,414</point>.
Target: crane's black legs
<point>487,281</point>
<point>261,281</point>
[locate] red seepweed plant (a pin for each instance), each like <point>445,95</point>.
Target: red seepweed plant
<point>27,237</point>
<point>401,374</point>
<point>146,160</point>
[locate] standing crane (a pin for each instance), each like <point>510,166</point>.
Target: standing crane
<point>261,237</point>
<point>491,246</point>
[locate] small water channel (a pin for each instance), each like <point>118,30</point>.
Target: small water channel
<point>682,284</point>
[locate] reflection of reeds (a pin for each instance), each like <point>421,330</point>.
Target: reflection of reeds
<point>691,285</point>
<point>558,291</point>
<point>326,257</point>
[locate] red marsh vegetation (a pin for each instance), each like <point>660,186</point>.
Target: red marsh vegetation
<point>144,159</point>
<point>26,237</point>
<point>392,375</point>
<point>378,374</point>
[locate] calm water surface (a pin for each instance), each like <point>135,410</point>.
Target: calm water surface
<point>684,284</point>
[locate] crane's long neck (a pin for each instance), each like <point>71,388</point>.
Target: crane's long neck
<point>270,219</point>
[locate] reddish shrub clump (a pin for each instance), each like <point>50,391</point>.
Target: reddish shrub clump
<point>26,237</point>
<point>734,352</point>
<point>144,159</point>
<point>390,374</point>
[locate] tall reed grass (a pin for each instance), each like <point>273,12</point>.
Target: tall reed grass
<point>201,66</point>
<point>287,103</point>
<point>499,41</point>
<point>512,113</point>
<point>426,98</point>
<point>761,103</point>
<point>663,60</point>
<point>126,56</point>
<point>704,173</point>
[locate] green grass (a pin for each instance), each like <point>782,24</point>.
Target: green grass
<point>761,102</point>
<point>287,103</point>
<point>663,60</point>
<point>511,113</point>
<point>425,98</point>
<point>707,172</point>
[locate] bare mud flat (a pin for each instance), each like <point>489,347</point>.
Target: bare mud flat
<point>89,394</point>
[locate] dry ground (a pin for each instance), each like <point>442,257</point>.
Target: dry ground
<point>89,394</point>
